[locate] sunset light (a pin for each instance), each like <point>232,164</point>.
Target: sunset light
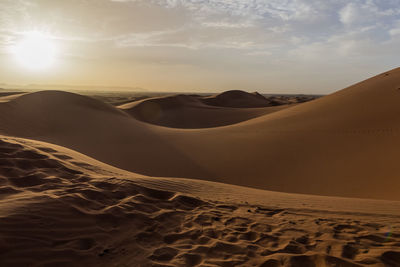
<point>35,51</point>
<point>200,133</point>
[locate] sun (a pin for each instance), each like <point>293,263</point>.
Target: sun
<point>35,51</point>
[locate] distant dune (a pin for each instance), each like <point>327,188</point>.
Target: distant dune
<point>344,144</point>
<point>185,111</point>
<point>237,99</point>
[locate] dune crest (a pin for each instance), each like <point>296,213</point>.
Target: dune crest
<point>237,99</point>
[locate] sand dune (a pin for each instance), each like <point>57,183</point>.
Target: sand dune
<point>184,111</point>
<point>345,144</point>
<point>237,99</point>
<point>61,208</point>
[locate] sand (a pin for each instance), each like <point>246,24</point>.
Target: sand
<point>185,111</point>
<point>85,183</point>
<point>335,145</point>
<point>61,208</point>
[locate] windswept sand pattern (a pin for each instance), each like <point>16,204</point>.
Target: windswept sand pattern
<point>54,212</point>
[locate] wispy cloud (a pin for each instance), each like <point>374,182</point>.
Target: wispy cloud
<point>263,34</point>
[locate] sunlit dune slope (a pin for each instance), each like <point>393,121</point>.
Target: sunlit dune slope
<point>184,111</point>
<point>344,144</point>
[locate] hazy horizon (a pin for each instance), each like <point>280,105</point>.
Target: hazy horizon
<point>293,46</point>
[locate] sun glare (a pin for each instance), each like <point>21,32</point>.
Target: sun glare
<point>35,51</point>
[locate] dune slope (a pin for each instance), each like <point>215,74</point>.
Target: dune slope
<point>61,208</point>
<point>345,144</point>
<point>93,128</point>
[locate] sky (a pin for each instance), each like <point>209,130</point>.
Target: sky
<point>269,46</point>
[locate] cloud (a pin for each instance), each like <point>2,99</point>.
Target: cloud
<point>197,24</point>
<point>349,13</point>
<point>224,24</point>
<point>369,12</point>
<point>394,31</point>
<point>266,35</point>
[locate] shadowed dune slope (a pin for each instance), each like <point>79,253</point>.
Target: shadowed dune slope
<point>345,144</point>
<point>237,99</point>
<point>184,111</point>
<point>61,208</point>
<point>93,128</point>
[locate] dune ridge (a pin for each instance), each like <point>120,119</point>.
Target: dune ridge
<point>237,99</point>
<point>336,145</point>
<point>61,208</point>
